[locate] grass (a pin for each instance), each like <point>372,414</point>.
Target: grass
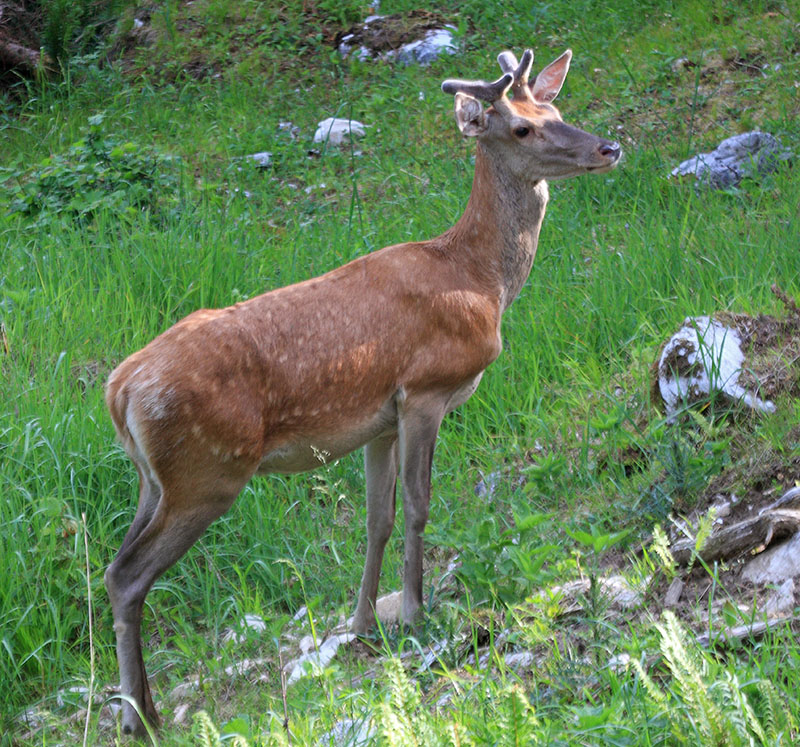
<point>623,258</point>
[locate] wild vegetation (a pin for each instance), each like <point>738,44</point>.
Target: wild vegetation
<point>127,201</point>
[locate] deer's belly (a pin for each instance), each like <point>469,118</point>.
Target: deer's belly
<point>303,452</point>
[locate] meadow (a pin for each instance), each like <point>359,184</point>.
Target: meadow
<point>126,202</point>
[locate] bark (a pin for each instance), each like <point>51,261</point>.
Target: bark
<point>747,536</point>
<point>754,630</point>
<point>16,56</point>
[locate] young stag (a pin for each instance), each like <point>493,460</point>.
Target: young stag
<point>371,354</point>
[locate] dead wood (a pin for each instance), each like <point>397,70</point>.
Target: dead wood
<point>749,536</point>
<point>28,61</point>
<point>752,630</point>
<point>15,55</point>
<point>673,595</point>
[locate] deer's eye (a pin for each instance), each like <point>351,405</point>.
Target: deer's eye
<point>521,132</point>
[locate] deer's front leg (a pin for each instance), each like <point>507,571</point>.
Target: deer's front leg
<point>380,466</point>
<point>418,430</point>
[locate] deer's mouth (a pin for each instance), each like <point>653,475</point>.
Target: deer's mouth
<point>604,169</point>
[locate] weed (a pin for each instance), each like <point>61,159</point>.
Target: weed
<point>96,173</point>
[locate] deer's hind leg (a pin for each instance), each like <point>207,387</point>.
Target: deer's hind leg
<point>171,517</point>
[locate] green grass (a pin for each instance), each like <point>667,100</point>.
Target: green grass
<point>623,258</point>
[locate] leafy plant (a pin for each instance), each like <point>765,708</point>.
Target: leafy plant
<point>207,735</point>
<point>503,565</point>
<point>98,172</point>
<point>596,540</point>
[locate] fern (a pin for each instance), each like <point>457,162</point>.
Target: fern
<point>705,526</point>
<point>661,549</point>
<point>713,701</point>
<point>515,718</point>
<point>205,731</point>
<point>207,735</point>
<point>401,721</point>
<point>777,721</point>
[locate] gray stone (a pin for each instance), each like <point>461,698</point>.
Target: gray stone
<point>519,660</point>
<point>748,154</point>
<point>775,565</point>
<point>673,595</point>
<point>350,732</point>
<point>261,159</point>
<point>781,601</point>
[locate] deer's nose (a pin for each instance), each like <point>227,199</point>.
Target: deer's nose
<point>610,150</point>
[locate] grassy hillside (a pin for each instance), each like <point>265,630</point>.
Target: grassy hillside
<point>126,203</point>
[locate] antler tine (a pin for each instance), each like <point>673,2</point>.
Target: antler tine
<point>489,92</point>
<point>507,61</point>
<point>521,71</point>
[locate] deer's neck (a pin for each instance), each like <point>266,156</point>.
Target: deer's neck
<point>499,230</point>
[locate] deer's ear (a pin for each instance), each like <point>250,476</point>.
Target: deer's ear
<point>470,117</point>
<point>548,83</point>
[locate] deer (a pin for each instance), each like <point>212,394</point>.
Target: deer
<point>372,354</point>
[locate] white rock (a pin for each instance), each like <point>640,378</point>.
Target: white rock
<point>434,651</point>
<point>181,712</point>
<point>775,565</point>
<point>620,592</point>
<point>335,130</point>
<point>619,663</point>
<point>254,622</point>
<point>722,507</point>
<point>350,732</point>
<point>701,357</point>
<point>314,661</point>
<point>519,660</point>
<point>245,666</point>
<point>261,159</point>
<point>248,622</point>
<point>488,485</point>
<point>424,51</point>
<point>69,694</point>
<point>303,611</point>
<point>389,608</point>
<point>179,692</point>
<point>306,643</point>
<point>290,127</point>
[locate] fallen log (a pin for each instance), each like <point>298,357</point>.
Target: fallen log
<point>15,56</point>
<point>756,629</point>
<point>749,536</point>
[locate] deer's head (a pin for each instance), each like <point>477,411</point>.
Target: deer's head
<point>524,131</point>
